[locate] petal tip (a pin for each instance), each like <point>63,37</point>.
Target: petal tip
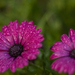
<point>30,22</point>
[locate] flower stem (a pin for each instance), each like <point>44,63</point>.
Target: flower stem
<point>39,67</point>
<point>43,58</point>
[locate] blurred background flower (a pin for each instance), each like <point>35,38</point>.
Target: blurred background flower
<point>55,17</point>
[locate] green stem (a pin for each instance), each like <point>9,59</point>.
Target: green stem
<point>43,58</point>
<point>39,67</point>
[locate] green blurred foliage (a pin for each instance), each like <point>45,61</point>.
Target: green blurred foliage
<point>55,17</point>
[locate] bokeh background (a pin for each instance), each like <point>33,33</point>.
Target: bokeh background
<point>55,17</point>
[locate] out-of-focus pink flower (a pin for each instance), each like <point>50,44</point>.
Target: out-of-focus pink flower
<point>65,52</point>
<point>18,44</point>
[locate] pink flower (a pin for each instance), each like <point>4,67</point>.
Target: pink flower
<point>65,52</point>
<point>18,44</point>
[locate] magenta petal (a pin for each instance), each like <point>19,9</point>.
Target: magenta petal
<point>3,46</point>
<point>39,40</point>
<point>3,40</point>
<point>38,31</point>
<point>19,62</point>
<point>25,62</point>
<point>59,65</point>
<point>28,55</point>
<point>73,40</point>
<point>28,33</point>
<point>72,36</point>
<point>4,55</point>
<point>3,61</point>
<point>35,34</point>
<point>22,30</point>
<point>34,51</point>
<point>59,54</point>
<point>6,65</point>
<point>58,61</point>
<point>64,65</point>
<point>35,39</point>
<point>24,23</point>
<point>14,29</point>
<point>7,34</point>
<point>71,33</point>
<point>66,40</point>
<point>30,22</point>
<point>59,46</point>
<point>13,66</point>
<point>33,46</point>
<point>71,67</point>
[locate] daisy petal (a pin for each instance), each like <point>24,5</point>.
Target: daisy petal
<point>30,22</point>
<point>4,55</point>
<point>7,34</point>
<point>28,32</point>
<point>3,61</point>
<point>73,40</point>
<point>66,39</point>
<point>35,39</point>
<point>33,46</point>
<point>71,66</point>
<point>56,63</point>
<point>3,40</point>
<point>13,66</point>
<point>60,46</point>
<point>19,62</point>
<point>14,29</point>
<point>3,46</point>
<point>35,33</point>
<point>66,65</point>
<point>71,33</point>
<point>59,54</point>
<point>22,30</point>
<point>25,62</point>
<point>34,51</point>
<point>28,55</point>
<point>6,65</point>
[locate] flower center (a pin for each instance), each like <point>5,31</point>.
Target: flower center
<point>15,50</point>
<point>72,53</point>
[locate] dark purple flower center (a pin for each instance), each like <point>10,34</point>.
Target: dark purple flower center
<point>15,50</point>
<point>72,53</point>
